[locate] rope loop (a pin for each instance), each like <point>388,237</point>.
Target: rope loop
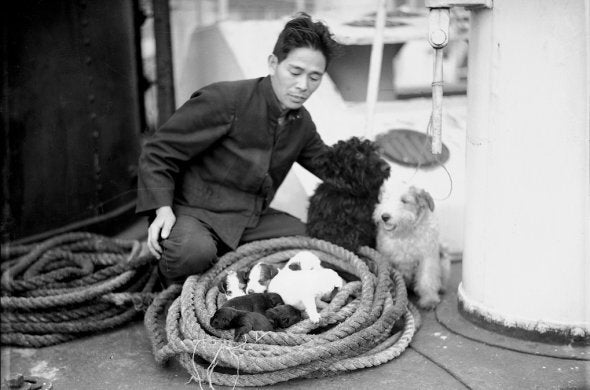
<point>367,323</point>
<point>72,285</point>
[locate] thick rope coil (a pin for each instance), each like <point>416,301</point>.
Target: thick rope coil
<point>368,323</point>
<point>72,285</point>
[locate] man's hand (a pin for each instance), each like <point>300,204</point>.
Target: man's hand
<point>161,227</point>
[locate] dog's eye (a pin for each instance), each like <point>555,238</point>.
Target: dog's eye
<point>406,200</point>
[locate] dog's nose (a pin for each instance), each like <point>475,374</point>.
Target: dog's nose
<point>385,217</point>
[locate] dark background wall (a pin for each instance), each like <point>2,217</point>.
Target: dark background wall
<point>71,112</point>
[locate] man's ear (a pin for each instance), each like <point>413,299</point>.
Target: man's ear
<point>273,61</point>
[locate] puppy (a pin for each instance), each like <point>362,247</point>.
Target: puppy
<point>408,236</point>
<point>283,316</point>
<point>301,288</point>
<point>232,285</point>
<point>242,321</point>
<point>257,302</point>
<point>259,277</point>
<point>304,260</point>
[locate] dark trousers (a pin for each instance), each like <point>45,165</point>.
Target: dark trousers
<point>193,247</point>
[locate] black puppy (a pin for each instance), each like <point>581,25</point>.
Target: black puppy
<point>283,316</point>
<point>341,209</point>
<point>242,321</point>
<point>246,313</point>
<point>257,302</point>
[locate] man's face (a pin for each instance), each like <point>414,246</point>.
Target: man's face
<point>297,76</point>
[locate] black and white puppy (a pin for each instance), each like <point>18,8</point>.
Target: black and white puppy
<point>283,316</point>
<point>260,276</point>
<point>240,320</point>
<point>233,284</point>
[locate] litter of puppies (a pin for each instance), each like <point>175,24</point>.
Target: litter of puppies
<point>296,285</point>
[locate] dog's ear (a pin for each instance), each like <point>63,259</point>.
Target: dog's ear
<point>322,161</point>
<point>222,285</point>
<point>243,275</point>
<point>425,199</point>
<point>272,270</point>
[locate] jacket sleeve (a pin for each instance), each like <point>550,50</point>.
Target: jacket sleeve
<point>203,119</point>
<point>313,148</point>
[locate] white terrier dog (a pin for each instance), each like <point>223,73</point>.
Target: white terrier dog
<point>408,235</point>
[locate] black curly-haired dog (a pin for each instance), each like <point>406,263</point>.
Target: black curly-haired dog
<point>340,211</point>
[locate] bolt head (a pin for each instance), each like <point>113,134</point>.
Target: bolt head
<point>438,37</point>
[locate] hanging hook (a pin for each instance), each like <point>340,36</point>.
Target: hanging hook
<point>438,36</point>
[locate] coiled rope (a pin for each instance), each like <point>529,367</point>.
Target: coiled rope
<point>366,324</point>
<point>72,285</point>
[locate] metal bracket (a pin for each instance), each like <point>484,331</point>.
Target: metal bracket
<point>469,4</point>
<point>438,27</point>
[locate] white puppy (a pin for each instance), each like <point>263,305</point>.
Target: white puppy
<point>408,235</point>
<point>304,260</point>
<point>300,288</point>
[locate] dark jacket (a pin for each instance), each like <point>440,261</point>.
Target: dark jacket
<point>222,156</point>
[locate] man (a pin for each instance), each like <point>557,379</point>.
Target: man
<point>208,174</point>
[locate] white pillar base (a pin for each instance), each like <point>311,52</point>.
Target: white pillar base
<point>528,329</point>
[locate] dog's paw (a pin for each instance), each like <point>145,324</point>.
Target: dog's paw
<point>240,333</point>
<point>314,317</point>
<point>428,302</point>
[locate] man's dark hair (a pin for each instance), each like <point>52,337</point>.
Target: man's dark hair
<point>301,31</point>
